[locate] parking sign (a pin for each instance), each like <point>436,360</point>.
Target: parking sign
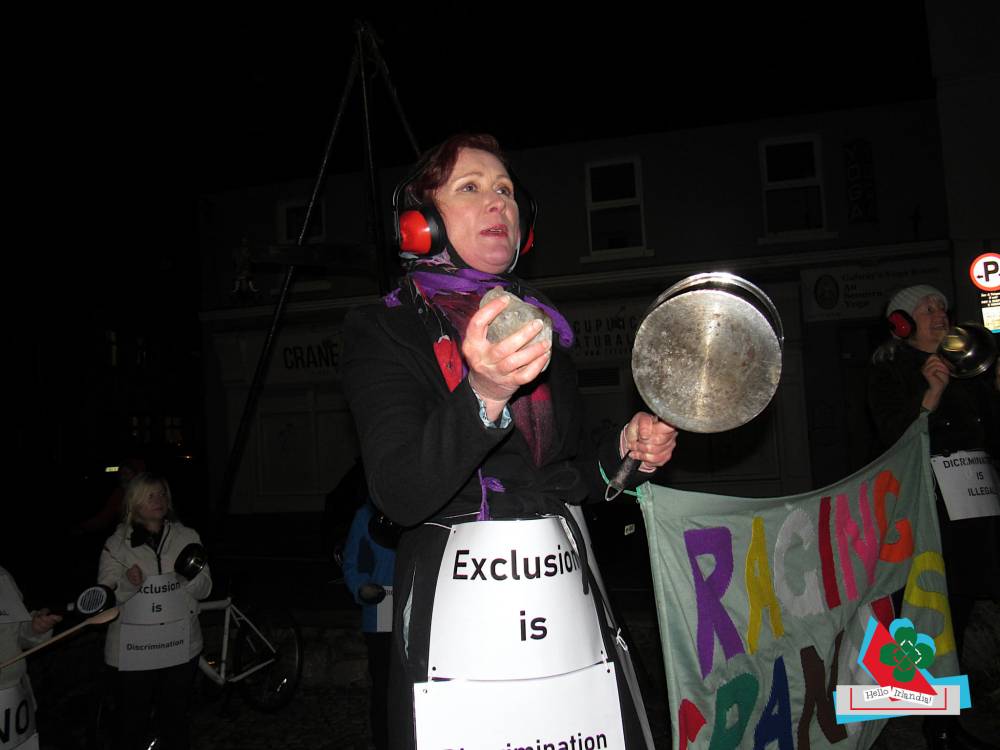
<point>985,272</point>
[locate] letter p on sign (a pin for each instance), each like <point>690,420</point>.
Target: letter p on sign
<point>985,272</point>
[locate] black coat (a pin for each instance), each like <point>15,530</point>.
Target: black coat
<point>967,418</point>
<point>423,446</point>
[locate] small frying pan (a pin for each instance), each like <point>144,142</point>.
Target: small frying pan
<point>92,600</point>
<point>191,560</point>
<point>968,349</point>
<point>706,357</point>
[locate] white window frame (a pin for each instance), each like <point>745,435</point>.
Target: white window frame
<point>637,251</point>
<point>281,221</point>
<point>817,180</point>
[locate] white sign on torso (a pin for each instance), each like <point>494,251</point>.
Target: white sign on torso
<point>968,484</point>
<point>11,607</point>
<point>155,626</point>
<point>160,599</point>
<point>145,647</point>
<point>509,604</point>
<point>577,710</point>
<point>383,613</point>
<point>17,717</point>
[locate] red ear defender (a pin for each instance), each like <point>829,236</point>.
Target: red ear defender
<point>901,323</point>
<point>527,244</point>
<point>414,233</point>
<point>421,231</point>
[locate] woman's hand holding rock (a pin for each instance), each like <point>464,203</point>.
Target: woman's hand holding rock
<point>497,370</point>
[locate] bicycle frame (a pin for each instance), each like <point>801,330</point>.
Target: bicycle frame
<point>219,675</point>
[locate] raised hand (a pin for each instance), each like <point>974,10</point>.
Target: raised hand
<point>497,370</point>
<point>649,440</point>
<point>937,375</point>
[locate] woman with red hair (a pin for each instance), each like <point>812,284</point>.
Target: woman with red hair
<point>471,434</point>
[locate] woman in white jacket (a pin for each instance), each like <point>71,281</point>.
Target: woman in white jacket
<point>155,642</point>
<point>19,630</point>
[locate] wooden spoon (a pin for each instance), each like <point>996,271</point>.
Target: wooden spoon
<point>99,619</point>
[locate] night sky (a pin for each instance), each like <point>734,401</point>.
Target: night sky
<point>255,103</point>
<point>133,118</point>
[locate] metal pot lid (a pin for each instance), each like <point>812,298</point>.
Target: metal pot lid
<point>191,560</point>
<point>707,356</point>
<point>968,349</point>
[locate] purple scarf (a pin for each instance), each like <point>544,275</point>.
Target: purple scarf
<point>455,293</point>
<point>450,280</point>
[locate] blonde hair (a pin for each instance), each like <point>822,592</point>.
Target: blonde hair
<point>138,488</point>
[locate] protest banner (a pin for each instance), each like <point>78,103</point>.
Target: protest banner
<point>763,603</point>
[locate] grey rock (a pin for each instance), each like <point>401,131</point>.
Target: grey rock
<point>514,317</point>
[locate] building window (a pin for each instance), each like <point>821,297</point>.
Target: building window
<point>141,428</point>
<point>859,174</point>
<point>292,215</point>
<point>792,179</point>
<point>111,337</point>
<point>173,431</point>
<point>614,209</point>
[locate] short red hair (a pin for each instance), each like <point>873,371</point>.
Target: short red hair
<point>439,162</point>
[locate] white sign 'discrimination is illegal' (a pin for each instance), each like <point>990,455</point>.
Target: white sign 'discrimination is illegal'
<point>968,484</point>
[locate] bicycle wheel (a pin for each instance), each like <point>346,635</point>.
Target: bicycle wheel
<point>272,686</point>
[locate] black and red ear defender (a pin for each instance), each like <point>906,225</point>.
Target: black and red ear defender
<point>420,227</point>
<point>901,324</point>
<point>420,230</point>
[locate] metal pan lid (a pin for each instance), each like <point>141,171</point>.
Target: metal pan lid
<point>707,355</point>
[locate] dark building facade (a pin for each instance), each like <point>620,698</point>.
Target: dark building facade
<point>828,213</point>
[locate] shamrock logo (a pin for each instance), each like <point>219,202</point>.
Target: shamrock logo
<point>910,652</point>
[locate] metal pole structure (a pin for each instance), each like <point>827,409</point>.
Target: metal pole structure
<point>384,71</point>
<point>381,250</point>
<point>257,384</point>
<point>363,33</point>
<point>382,272</point>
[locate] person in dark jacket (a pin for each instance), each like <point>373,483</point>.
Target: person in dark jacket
<point>459,430</point>
<point>908,377</point>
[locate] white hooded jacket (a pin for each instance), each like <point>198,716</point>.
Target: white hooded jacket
<point>119,555</point>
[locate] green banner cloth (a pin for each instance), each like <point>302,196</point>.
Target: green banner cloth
<point>763,603</point>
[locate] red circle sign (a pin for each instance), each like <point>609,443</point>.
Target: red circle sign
<point>985,272</point>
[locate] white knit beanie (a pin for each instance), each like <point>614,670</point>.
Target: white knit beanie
<point>907,299</point>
